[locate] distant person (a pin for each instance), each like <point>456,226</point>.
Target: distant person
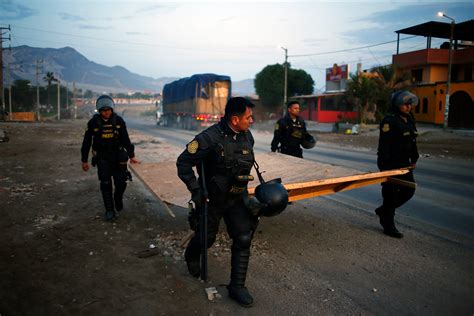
<point>397,149</point>
<point>225,151</point>
<point>290,133</point>
<point>111,148</point>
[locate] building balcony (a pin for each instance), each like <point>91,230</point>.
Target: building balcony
<point>433,56</point>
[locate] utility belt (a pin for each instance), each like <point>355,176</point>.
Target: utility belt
<point>119,155</point>
<point>240,184</point>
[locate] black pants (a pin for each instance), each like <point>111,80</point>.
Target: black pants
<point>107,170</point>
<point>395,195</point>
<point>237,218</point>
<point>292,151</point>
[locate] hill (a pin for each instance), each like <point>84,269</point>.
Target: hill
<point>71,66</point>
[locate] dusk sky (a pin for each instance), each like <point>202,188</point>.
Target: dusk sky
<point>178,39</point>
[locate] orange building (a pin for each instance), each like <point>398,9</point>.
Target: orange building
<point>429,72</point>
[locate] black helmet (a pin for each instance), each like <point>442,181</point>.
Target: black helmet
<point>104,101</point>
<point>402,97</point>
<point>308,141</point>
<point>273,195</point>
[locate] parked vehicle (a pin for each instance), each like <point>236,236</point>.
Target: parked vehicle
<point>195,102</point>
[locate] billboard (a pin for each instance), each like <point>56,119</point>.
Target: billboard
<point>337,73</point>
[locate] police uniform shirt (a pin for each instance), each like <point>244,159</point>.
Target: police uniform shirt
<point>226,155</point>
<point>397,143</point>
<point>106,137</point>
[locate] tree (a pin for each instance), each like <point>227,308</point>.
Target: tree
<point>23,96</point>
<point>49,78</point>
<point>269,84</point>
<point>388,80</point>
<point>363,92</point>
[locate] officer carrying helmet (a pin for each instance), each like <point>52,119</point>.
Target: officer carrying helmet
<point>224,154</point>
<point>397,149</point>
<point>107,134</point>
<point>290,133</point>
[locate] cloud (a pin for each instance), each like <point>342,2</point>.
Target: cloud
<point>136,33</point>
<point>157,7</point>
<point>13,11</point>
<point>315,42</point>
<point>227,19</point>
<point>93,27</point>
<point>384,24</point>
<point>70,17</point>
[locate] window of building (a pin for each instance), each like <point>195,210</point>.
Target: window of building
<point>468,73</point>
<point>425,105</point>
<point>439,106</point>
<point>417,75</point>
<point>417,107</point>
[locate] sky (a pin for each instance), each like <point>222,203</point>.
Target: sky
<point>235,38</point>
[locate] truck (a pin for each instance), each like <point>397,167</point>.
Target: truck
<point>195,102</point>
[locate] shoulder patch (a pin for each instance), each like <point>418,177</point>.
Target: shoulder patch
<point>385,128</point>
<point>277,126</point>
<point>193,147</point>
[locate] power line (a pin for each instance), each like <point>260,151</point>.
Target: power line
<point>194,49</point>
<point>351,49</point>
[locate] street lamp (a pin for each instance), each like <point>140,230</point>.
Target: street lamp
<point>286,79</point>
<point>448,83</point>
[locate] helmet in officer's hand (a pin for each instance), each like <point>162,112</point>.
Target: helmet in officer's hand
<point>103,102</point>
<point>308,141</point>
<point>273,195</point>
<point>402,97</point>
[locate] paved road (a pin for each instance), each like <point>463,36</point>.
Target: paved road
<point>444,198</point>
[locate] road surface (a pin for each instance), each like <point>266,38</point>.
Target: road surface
<point>444,198</point>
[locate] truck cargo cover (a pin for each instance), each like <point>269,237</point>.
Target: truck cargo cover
<point>190,87</point>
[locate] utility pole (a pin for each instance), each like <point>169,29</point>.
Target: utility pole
<point>38,63</point>
<point>448,82</point>
<point>59,99</point>
<point>74,98</point>
<point>9,92</point>
<point>67,97</point>
<point>285,99</point>
<point>2,94</point>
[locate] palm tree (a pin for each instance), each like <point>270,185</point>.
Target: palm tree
<point>362,91</point>
<point>388,79</point>
<point>49,78</point>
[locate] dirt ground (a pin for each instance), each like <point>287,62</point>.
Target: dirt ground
<point>59,257</point>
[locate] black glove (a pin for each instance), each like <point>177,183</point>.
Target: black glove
<point>196,196</point>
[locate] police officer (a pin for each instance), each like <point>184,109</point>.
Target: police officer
<point>226,150</point>
<point>111,147</point>
<point>290,132</point>
<point>397,149</point>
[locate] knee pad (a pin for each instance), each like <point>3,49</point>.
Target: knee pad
<point>210,240</point>
<point>106,186</point>
<point>243,240</point>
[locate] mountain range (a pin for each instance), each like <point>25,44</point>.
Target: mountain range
<point>70,66</point>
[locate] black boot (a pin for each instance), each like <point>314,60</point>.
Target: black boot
<point>236,288</point>
<point>106,188</point>
<point>388,223</point>
<point>192,257</point>
<point>391,230</point>
<point>118,202</point>
<point>118,195</point>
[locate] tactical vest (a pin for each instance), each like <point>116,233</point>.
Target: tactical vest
<point>235,161</point>
<point>294,132</point>
<point>106,136</point>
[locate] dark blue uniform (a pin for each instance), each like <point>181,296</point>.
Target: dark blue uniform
<point>228,158</point>
<point>289,134</point>
<point>397,149</point>
<point>111,148</point>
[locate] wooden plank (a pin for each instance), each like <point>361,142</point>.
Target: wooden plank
<point>306,190</point>
<point>406,183</point>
